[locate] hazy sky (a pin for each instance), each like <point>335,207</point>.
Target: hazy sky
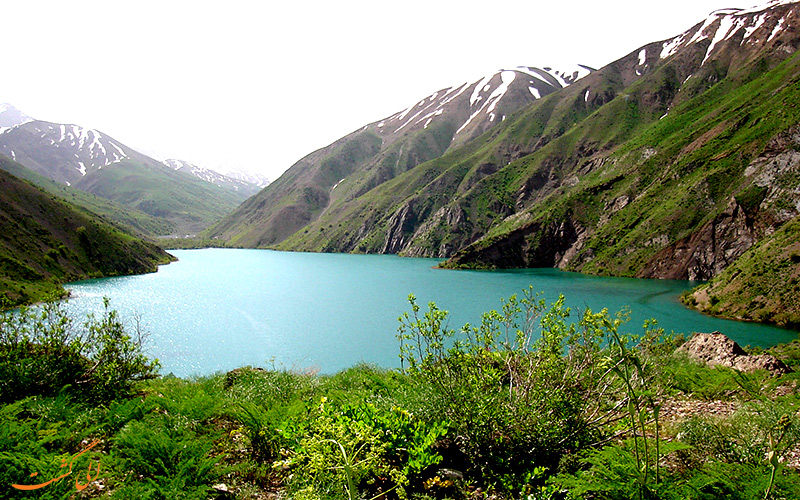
<point>258,86</point>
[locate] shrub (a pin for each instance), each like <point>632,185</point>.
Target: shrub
<point>43,350</point>
<point>516,403</point>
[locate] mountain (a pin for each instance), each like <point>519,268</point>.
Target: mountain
<point>246,176</point>
<point>671,162</point>
<point>11,117</point>
<point>99,164</point>
<point>231,183</point>
<point>45,241</point>
<point>382,150</point>
<point>124,218</point>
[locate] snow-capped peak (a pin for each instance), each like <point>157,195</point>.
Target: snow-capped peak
<point>236,182</point>
<point>479,101</point>
<point>721,25</point>
<point>11,117</point>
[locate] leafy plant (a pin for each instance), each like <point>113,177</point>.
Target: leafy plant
<point>517,402</point>
<point>43,350</point>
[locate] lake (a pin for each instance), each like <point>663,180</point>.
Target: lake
<point>218,309</point>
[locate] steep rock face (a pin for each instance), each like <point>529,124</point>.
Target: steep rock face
<point>535,245</point>
<point>770,198</point>
<point>399,224</point>
<point>708,251</point>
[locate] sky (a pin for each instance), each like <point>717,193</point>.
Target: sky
<point>257,86</point>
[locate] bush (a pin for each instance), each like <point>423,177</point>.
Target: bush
<point>516,403</point>
<point>43,350</point>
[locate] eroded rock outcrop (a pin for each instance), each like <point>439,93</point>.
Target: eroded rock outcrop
<point>716,349</point>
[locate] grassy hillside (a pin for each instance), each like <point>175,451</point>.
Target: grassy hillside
<point>763,285</point>
<point>183,200</point>
<point>45,241</point>
<point>109,211</point>
<point>669,170</point>
<point>637,205</point>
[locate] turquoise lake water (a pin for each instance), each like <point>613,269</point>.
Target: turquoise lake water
<point>218,309</point>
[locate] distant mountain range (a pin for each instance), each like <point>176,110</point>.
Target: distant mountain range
<point>671,162</point>
<point>236,184</point>
<point>187,198</point>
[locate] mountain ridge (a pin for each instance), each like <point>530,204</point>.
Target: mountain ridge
<point>379,151</point>
<point>637,169</point>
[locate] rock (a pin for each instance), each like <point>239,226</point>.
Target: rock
<point>716,349</point>
<point>450,474</point>
<point>234,375</point>
<point>708,250</point>
<point>400,225</point>
<point>221,487</point>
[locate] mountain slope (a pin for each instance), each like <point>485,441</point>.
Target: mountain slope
<point>380,151</point>
<point>661,165</point>
<point>126,218</point>
<point>45,241</point>
<point>665,201</point>
<point>94,162</point>
<point>483,194</point>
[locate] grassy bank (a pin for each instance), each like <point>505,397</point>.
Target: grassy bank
<point>536,402</point>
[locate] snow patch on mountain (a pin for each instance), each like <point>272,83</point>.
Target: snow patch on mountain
<point>506,78</point>
<point>231,181</point>
<point>724,24</point>
<point>484,96</point>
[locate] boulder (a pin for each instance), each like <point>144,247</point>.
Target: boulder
<point>233,376</point>
<point>717,349</point>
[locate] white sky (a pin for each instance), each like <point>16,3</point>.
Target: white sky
<point>252,85</point>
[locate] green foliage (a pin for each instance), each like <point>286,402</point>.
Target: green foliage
<point>168,455</point>
<point>519,403</point>
<point>339,447</point>
<point>615,473</point>
<point>689,377</point>
<point>42,350</point>
<point>536,402</point>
